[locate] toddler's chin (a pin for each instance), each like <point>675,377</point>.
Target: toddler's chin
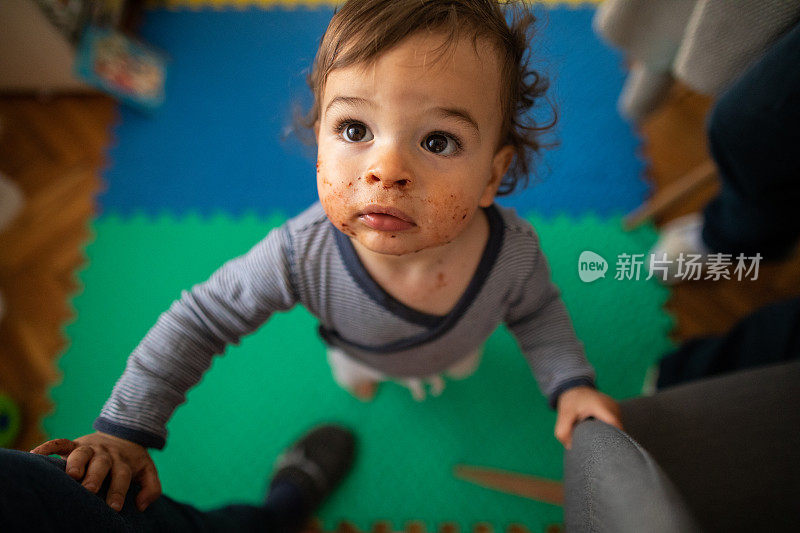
<point>384,243</point>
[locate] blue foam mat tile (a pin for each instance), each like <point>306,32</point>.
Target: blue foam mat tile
<point>234,75</point>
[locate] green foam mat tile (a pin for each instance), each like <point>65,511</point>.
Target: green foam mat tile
<point>276,384</point>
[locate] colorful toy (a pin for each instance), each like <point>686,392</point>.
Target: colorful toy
<point>129,70</point>
<point>9,421</point>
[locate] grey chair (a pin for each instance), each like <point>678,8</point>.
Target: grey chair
<point>721,454</point>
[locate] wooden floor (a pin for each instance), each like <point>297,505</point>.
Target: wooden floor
<point>54,150</point>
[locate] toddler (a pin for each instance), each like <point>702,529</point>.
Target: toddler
<point>420,119</point>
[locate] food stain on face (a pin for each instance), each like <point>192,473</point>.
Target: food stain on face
<point>335,207</point>
<point>346,229</point>
<point>448,215</point>
<point>441,215</point>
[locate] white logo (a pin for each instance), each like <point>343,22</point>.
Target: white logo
<point>591,266</point>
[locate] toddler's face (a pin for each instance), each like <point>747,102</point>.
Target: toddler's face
<point>407,147</point>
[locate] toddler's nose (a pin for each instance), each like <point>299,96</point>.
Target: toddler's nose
<point>389,170</point>
<point>386,181</point>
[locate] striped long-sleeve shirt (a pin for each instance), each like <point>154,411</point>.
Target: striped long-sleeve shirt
<point>308,261</point>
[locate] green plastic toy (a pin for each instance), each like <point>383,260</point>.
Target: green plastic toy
<point>9,421</point>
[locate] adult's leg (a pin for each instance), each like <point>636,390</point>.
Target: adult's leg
<point>753,137</point>
<point>767,336</point>
<point>37,495</point>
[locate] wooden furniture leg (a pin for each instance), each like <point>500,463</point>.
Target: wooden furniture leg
<point>672,194</point>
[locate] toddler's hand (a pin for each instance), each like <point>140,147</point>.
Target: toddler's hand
<point>579,403</point>
<point>98,453</point>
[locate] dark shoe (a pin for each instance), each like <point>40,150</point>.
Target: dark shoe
<point>317,462</point>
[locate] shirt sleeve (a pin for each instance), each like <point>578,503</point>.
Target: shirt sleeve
<point>178,349</point>
<point>541,325</point>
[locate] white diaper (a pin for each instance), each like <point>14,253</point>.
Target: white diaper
<point>348,373</point>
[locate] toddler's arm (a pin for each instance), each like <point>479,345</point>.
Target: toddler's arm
<point>175,353</point>
<point>539,321</point>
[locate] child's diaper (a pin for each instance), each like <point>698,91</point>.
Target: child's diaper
<point>348,372</point>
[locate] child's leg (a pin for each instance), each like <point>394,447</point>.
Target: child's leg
<point>358,379</point>
<point>361,380</point>
<point>417,386</point>
<point>460,370</point>
<point>466,366</point>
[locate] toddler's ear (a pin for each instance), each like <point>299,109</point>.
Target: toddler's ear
<point>500,163</point>
<point>316,131</point>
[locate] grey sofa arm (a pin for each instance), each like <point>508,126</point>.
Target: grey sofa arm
<point>729,444</point>
<point>612,484</point>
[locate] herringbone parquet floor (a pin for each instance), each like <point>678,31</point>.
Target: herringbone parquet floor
<point>53,149</point>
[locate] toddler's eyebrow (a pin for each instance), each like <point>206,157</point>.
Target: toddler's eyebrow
<point>461,115</point>
<point>348,100</point>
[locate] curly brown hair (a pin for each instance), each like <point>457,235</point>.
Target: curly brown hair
<point>362,29</point>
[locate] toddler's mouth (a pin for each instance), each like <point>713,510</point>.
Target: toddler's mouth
<point>384,218</point>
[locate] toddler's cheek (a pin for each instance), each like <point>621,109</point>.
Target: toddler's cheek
<point>336,207</point>
<point>449,216</point>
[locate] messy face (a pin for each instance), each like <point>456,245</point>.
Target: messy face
<point>407,147</point>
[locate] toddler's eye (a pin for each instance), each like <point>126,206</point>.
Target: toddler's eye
<point>441,144</point>
<point>354,132</point>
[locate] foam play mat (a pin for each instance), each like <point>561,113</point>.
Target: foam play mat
<point>205,177</point>
<point>277,382</point>
<point>235,74</point>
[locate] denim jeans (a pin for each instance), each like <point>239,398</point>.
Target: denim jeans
<point>753,135</point>
<point>37,495</point>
